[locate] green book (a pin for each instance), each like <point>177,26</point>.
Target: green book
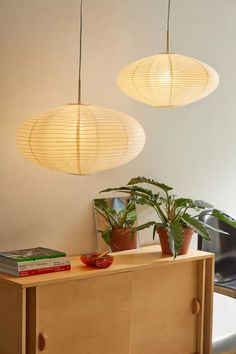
<point>30,254</point>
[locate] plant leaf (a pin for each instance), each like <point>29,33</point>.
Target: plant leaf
<point>182,202</point>
<point>109,214</point>
<point>146,201</point>
<point>175,237</point>
<point>214,229</point>
<point>130,217</point>
<point>196,225</point>
<point>154,232</point>
<point>201,204</point>
<point>137,180</point>
<point>223,217</point>
<point>101,203</point>
<point>133,230</point>
<point>134,190</point>
<point>106,236</point>
<point>145,226</point>
<point>120,189</point>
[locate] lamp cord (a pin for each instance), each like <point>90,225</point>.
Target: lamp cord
<point>80,50</point>
<point>168,30</point>
<point>81,35</point>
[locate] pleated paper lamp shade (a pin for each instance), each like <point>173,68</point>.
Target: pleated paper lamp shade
<point>80,139</point>
<point>167,80</point>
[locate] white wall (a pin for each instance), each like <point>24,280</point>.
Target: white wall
<point>191,148</point>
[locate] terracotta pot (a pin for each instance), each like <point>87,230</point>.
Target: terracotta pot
<point>122,240</point>
<point>188,232</point>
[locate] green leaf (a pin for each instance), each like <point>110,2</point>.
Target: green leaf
<point>129,212</point>
<point>154,232</point>
<point>142,196</point>
<point>143,201</point>
<point>134,190</point>
<point>133,231</point>
<point>101,203</point>
<point>109,214</point>
<point>196,225</point>
<point>137,180</point>
<point>102,206</point>
<point>182,202</point>
<point>175,237</point>
<point>214,229</point>
<point>201,204</point>
<point>223,217</point>
<point>103,214</point>
<point>120,189</point>
<point>106,236</point>
<point>146,201</point>
<point>145,226</point>
<point>186,202</point>
<point>130,217</point>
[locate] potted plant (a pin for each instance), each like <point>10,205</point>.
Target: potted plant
<point>120,232</point>
<point>177,217</point>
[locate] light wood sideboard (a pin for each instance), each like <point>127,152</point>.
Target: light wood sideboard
<point>145,303</point>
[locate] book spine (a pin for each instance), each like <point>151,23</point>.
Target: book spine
<point>15,263</point>
<point>47,263</point>
<point>37,258</point>
<point>4,258</point>
<point>27,273</point>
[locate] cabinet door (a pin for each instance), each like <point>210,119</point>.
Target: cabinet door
<point>162,317</point>
<point>12,319</point>
<point>90,316</point>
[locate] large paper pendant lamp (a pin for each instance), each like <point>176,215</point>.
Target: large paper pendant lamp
<point>80,139</point>
<point>167,79</point>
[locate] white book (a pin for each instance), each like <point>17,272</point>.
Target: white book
<point>37,264</point>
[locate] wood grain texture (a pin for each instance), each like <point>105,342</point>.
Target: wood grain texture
<point>123,261</point>
<point>201,285</point>
<point>31,320</point>
<point>208,313</point>
<point>162,319</point>
<point>142,304</point>
<point>12,319</point>
<point>90,316</point>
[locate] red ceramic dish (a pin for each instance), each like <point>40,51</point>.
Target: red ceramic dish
<point>94,260</point>
<point>104,262</point>
<point>89,258</point>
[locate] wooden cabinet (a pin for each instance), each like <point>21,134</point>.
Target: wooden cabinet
<point>145,303</point>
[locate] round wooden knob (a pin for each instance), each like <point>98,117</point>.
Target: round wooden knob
<point>42,341</point>
<point>196,306</point>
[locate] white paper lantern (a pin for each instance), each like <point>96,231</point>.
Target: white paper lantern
<point>80,139</point>
<point>167,80</point>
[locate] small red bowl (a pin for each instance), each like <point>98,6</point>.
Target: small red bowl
<point>104,262</point>
<point>93,259</point>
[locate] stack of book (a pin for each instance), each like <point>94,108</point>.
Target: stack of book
<point>33,261</point>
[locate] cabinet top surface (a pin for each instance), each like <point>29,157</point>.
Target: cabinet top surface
<point>144,257</point>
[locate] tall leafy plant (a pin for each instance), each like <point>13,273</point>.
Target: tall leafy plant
<point>174,214</point>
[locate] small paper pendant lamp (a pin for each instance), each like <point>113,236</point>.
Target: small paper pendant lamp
<point>80,139</point>
<point>167,80</point>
